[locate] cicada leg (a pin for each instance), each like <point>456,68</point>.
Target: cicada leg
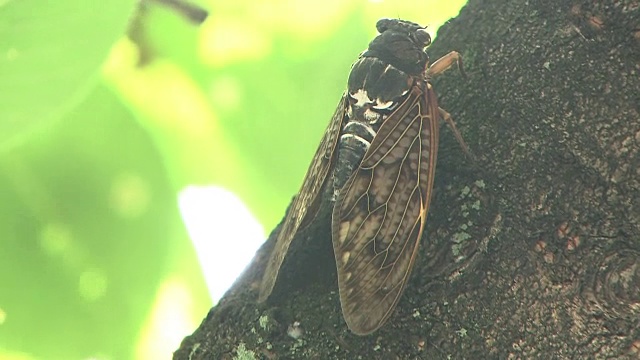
<point>438,67</point>
<point>444,63</point>
<point>447,117</point>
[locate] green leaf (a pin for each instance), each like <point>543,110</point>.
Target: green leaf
<point>50,55</point>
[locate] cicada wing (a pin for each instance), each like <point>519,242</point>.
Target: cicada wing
<point>381,211</point>
<point>305,205</point>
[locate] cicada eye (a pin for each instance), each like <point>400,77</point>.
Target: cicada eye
<point>422,36</point>
<point>382,25</point>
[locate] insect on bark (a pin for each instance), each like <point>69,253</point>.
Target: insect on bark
<point>378,156</point>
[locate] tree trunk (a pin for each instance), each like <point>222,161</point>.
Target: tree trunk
<point>531,252</point>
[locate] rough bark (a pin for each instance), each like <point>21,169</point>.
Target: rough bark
<point>532,253</point>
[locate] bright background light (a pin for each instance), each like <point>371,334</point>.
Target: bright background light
<point>224,234</point>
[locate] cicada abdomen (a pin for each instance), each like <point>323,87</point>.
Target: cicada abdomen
<point>381,149</point>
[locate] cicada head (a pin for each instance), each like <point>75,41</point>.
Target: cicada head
<point>401,44</point>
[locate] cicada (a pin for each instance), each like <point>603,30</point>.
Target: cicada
<point>378,157</point>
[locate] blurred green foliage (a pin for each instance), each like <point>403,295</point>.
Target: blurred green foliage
<point>99,132</point>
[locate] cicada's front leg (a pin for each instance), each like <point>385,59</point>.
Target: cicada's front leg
<point>444,63</point>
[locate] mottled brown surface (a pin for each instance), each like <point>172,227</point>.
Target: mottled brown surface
<point>536,255</point>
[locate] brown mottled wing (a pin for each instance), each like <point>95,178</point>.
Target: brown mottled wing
<point>381,211</point>
<point>306,203</point>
